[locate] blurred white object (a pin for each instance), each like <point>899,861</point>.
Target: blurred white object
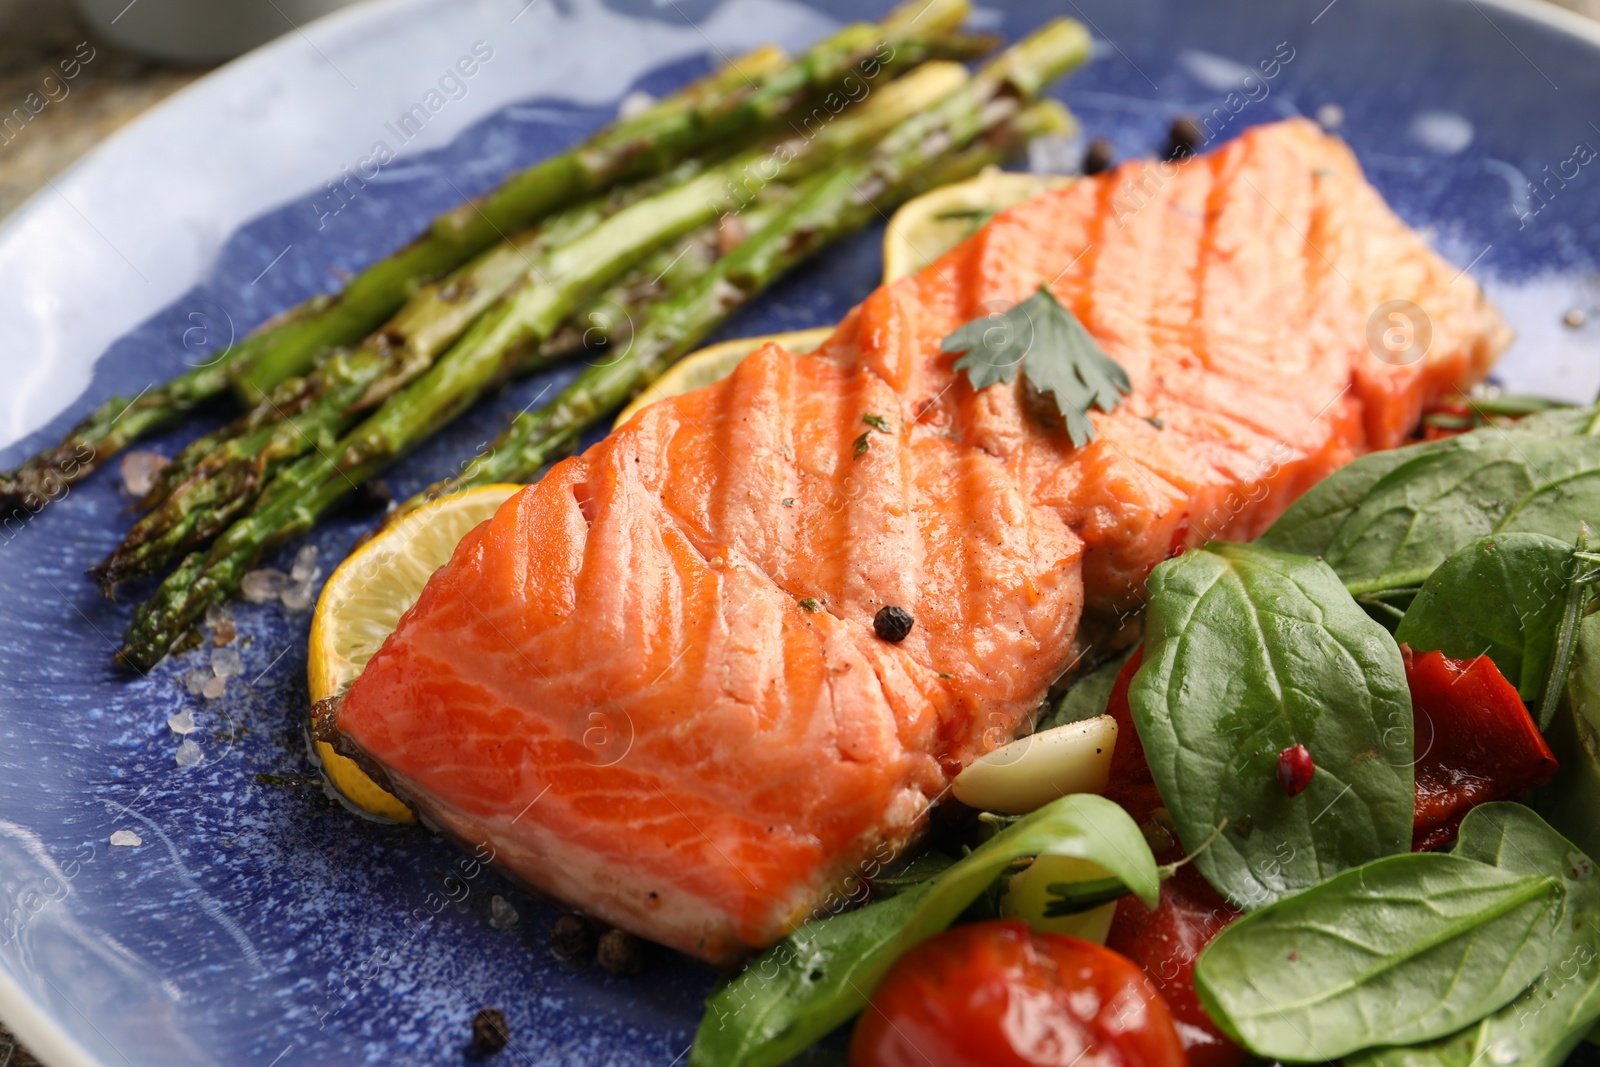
<point>198,31</point>
<point>1583,7</point>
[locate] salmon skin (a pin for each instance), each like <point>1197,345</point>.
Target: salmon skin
<point>651,683</point>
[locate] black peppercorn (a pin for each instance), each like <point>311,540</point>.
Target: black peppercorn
<point>892,623</point>
<point>571,937</point>
<point>621,952</point>
<point>489,1032</point>
<point>375,494</point>
<point>1185,137</point>
<point>1099,156</point>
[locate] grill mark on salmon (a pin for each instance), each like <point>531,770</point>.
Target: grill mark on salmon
<point>649,592</point>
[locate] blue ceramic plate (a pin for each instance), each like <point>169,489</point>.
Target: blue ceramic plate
<point>258,922</point>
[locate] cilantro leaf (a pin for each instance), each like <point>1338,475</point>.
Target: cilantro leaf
<point>1057,356</point>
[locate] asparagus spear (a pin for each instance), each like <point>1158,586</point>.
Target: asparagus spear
<point>118,422</point>
<point>227,478</point>
<point>432,320</point>
<point>735,106</point>
<point>558,282</point>
<point>835,205</point>
<point>738,100</point>
<point>218,475</point>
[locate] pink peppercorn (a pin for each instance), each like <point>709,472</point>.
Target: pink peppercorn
<point>1295,769</point>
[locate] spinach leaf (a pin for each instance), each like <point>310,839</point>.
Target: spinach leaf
<point>1572,802</point>
<point>1502,411</point>
<point>1437,503</point>
<point>1559,422</point>
<point>1403,949</point>
<point>1088,697</point>
<point>1548,1020</point>
<point>1308,526</point>
<point>1315,524</point>
<point>1503,596</point>
<point>822,974</point>
<point>1248,652</point>
<point>918,870</point>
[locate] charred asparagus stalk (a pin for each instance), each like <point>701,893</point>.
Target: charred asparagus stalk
<point>736,103</point>
<point>219,475</point>
<point>557,283</point>
<point>839,203</point>
<point>751,95</point>
<point>229,480</point>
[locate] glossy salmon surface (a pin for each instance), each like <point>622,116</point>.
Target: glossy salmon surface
<point>651,684</point>
<point>1276,318</point>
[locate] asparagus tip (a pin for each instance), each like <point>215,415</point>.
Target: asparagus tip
<point>1046,118</point>
<point>1042,56</point>
<point>926,16</point>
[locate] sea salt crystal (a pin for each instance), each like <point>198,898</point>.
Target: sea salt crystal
<point>214,688</point>
<point>263,585</point>
<point>189,753</point>
<point>226,662</point>
<point>305,565</point>
<point>502,916</point>
<point>635,103</point>
<point>1444,132</point>
<point>219,617</point>
<point>183,722</point>
<point>126,837</point>
<point>195,681</point>
<point>1330,116</point>
<point>298,596</point>
<point>139,470</point>
<point>1058,153</point>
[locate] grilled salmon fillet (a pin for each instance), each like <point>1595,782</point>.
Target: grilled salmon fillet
<point>651,684</point>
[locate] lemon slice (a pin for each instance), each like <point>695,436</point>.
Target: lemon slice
<point>716,362</point>
<point>361,605</point>
<point>935,222</point>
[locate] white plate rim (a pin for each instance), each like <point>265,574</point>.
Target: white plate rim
<point>45,1036</point>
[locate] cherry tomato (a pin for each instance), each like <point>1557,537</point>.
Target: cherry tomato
<point>1164,944</point>
<point>997,994</point>
<point>1475,742</point>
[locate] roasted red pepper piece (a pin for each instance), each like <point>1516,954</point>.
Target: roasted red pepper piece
<point>1131,784</point>
<point>1475,742</point>
<point>1165,942</point>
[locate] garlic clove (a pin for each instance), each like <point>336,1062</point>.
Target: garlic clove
<point>1034,770</point>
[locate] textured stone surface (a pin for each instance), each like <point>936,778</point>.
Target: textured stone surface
<point>36,37</point>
